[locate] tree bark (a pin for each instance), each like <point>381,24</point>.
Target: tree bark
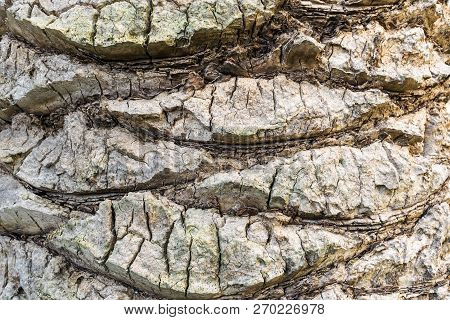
<point>236,149</point>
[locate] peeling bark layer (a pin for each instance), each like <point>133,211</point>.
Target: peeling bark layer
<point>224,149</point>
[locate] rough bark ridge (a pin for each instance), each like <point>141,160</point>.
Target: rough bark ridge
<point>224,149</point>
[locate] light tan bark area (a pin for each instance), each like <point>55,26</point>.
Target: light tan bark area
<point>236,149</point>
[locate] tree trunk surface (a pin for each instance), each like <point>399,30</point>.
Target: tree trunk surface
<point>224,149</point>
